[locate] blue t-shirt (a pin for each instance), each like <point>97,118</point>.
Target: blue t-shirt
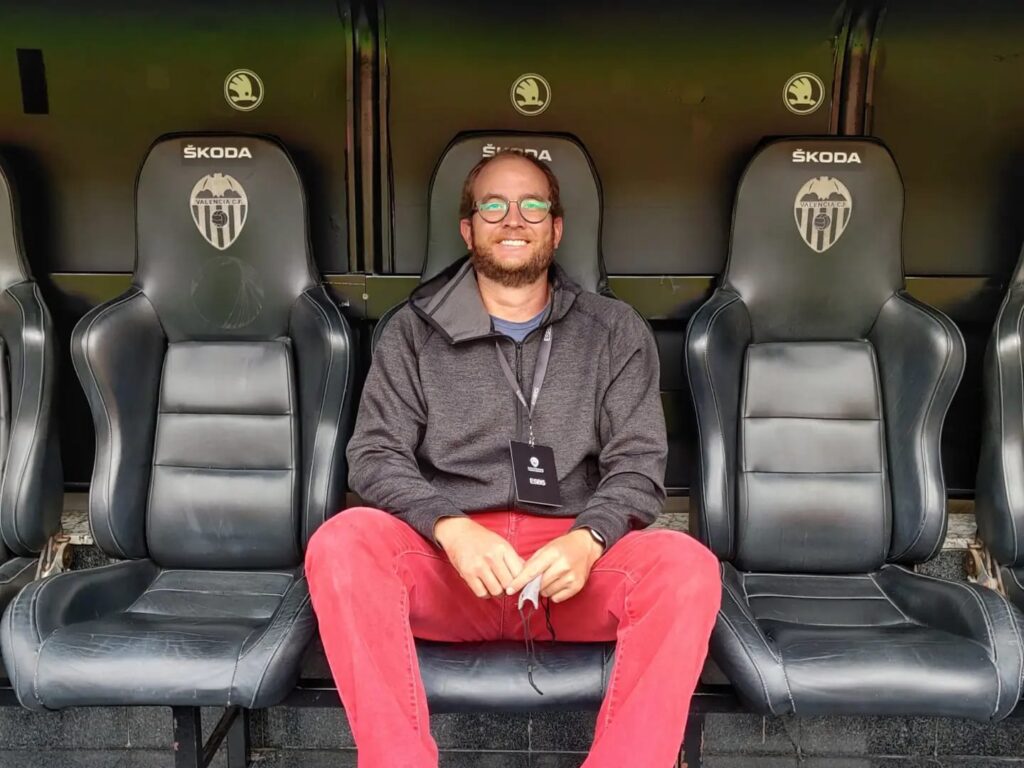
<point>518,331</point>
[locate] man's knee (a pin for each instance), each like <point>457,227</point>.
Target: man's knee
<point>680,560</point>
<point>347,535</point>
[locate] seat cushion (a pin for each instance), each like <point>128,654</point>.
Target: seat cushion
<point>211,638</point>
<point>492,676</point>
<point>872,644</point>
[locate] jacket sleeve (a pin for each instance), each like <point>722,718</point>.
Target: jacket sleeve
<point>634,446</point>
<point>389,427</point>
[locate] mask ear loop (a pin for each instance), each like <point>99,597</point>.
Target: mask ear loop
<point>547,617</point>
<point>530,647</point>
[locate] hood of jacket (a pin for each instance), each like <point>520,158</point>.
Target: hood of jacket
<point>451,303</point>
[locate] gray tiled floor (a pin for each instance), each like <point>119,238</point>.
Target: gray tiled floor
<point>346,759</point>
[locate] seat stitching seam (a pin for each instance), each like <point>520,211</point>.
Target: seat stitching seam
<point>749,619</point>
<point>284,636</point>
<point>266,629</point>
<point>214,592</point>
<point>219,572</point>
<point>884,594</point>
<point>31,564</point>
<point>1019,646</point>
<point>750,656</point>
<point>811,597</point>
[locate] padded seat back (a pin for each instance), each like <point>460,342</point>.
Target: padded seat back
<point>812,468</point>
<point>579,252</point>
<point>226,454</point>
<point>223,256</point>
<point>815,249</point>
<point>223,247</point>
<point>229,438</point>
<point>820,381</point>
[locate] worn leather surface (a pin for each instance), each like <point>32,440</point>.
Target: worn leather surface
<point>820,390</point>
<point>219,386</point>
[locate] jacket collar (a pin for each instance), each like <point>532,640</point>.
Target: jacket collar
<point>451,302</point>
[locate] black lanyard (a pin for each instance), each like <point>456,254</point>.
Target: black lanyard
<point>539,372</point>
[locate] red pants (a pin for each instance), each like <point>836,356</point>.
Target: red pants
<point>376,583</point>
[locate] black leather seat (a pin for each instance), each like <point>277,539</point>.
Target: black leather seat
<point>219,389</point>
<point>31,487</point>
<point>477,677</point>
<point>999,500</point>
<point>820,390</point>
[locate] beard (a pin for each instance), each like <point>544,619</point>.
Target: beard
<point>517,275</point>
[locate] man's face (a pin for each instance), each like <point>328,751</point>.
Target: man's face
<point>512,252</point>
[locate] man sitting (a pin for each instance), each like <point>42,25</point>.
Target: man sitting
<point>511,429</point>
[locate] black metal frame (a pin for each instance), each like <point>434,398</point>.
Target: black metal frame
<point>191,752</point>
<point>706,699</point>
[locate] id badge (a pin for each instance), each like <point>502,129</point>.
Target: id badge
<point>533,469</point>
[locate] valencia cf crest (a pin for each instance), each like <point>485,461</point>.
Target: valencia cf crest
<point>823,208</point>
<point>219,209</point>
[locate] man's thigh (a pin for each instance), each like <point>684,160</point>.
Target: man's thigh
<point>594,613</point>
<point>442,607</point>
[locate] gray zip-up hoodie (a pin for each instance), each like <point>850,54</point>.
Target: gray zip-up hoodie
<point>437,413</point>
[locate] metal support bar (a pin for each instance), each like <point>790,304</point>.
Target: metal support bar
<point>692,754</point>
<point>238,741</point>
<point>188,737</point>
<point>223,727</point>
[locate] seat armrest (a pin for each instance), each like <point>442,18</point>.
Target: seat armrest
<point>322,341</point>
<point>716,340</point>
<point>32,492</point>
<point>118,350</point>
<point>920,355</point>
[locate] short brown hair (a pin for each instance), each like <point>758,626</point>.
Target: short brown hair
<point>467,203</point>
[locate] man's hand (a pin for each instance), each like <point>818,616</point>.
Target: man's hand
<point>484,560</point>
<point>564,564</point>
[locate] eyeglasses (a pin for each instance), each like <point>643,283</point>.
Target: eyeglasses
<point>495,209</point>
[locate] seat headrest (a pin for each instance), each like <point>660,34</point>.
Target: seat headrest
<point>579,253</point>
<point>13,266</point>
<point>222,241</point>
<point>816,237</point>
